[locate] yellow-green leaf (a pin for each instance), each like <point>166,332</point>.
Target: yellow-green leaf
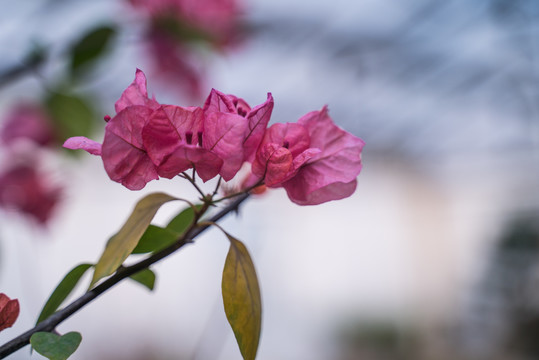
<point>241,297</point>
<point>122,244</point>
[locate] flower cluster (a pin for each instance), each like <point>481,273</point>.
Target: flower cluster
<point>313,160</point>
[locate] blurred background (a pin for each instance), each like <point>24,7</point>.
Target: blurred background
<point>436,255</point>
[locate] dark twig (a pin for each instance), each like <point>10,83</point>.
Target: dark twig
<point>50,323</point>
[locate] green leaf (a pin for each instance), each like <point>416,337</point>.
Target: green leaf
<point>90,48</point>
<point>55,347</point>
<point>154,239</point>
<point>181,222</point>
<point>145,277</point>
<point>62,291</point>
<point>72,116</point>
<point>241,297</point>
<point>122,244</point>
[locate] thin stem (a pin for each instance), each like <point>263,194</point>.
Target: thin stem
<point>239,193</point>
<point>51,322</point>
<point>192,181</point>
<point>217,186</point>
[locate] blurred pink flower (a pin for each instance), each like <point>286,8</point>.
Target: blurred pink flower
<point>26,190</point>
<point>26,121</point>
<point>9,311</point>
<point>175,32</point>
<point>217,18</point>
<point>314,160</point>
<point>174,63</point>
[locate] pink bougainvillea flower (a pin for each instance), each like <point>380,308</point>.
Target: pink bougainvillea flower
<point>174,140</point>
<point>124,157</point>
<point>284,150</point>
<point>314,160</point>
<point>123,153</point>
<point>24,189</point>
<point>9,311</point>
<point>256,119</point>
<point>26,121</point>
<point>146,140</point>
<point>179,138</point>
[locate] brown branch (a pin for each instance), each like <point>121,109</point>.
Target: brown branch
<point>51,322</point>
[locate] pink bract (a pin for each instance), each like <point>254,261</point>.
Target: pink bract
<point>136,94</point>
<point>81,142</point>
<point>174,141</point>
<point>314,160</point>
<point>285,148</point>
<point>124,157</point>
<point>9,311</point>
<point>256,119</point>
<point>331,175</point>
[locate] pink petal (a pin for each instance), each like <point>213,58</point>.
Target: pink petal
<point>129,123</point>
<point>341,151</point>
<point>293,136</point>
<point>223,135</point>
<point>81,142</point>
<point>258,122</point>
<point>124,156</point>
<point>127,164</point>
<point>135,94</point>
<point>304,157</point>
<point>167,128</point>
<point>274,163</point>
<point>207,164</point>
<point>219,102</point>
<point>331,174</point>
<point>298,190</point>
